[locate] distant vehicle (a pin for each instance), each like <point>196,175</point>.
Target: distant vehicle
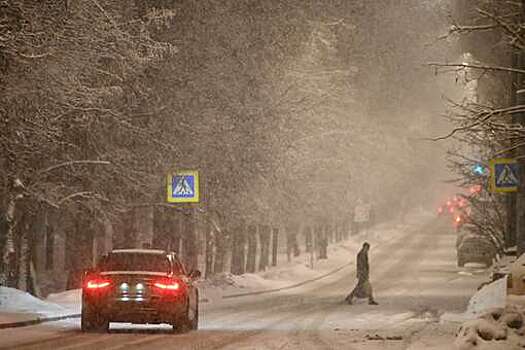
<point>474,248</point>
<point>139,286</point>
<point>452,205</point>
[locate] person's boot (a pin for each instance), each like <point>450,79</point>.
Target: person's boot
<point>372,302</point>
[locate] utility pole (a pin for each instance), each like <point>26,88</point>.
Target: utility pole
<point>511,198</point>
<point>520,152</point>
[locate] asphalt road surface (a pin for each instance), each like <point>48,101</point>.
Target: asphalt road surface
<point>415,280</point>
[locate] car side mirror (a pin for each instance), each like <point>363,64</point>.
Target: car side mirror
<point>195,274</point>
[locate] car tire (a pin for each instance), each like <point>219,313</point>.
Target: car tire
<point>93,322</point>
<point>195,320</point>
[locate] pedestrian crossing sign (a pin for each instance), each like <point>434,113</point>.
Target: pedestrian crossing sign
<point>183,187</point>
<point>504,176</point>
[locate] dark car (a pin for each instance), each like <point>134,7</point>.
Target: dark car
<point>139,286</point>
<point>473,248</point>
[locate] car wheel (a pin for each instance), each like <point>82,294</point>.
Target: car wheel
<point>93,322</point>
<point>195,319</point>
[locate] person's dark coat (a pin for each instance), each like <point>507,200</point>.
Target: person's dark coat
<point>362,270</point>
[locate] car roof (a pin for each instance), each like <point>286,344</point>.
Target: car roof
<point>140,251</point>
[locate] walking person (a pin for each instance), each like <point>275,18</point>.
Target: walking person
<point>363,289</point>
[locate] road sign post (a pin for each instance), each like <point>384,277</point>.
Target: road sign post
<point>183,187</point>
<point>504,175</point>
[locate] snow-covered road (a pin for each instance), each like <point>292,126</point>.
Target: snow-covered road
<point>414,277</point>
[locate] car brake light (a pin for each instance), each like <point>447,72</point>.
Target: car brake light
<point>168,285</point>
<point>458,218</point>
<point>97,283</point>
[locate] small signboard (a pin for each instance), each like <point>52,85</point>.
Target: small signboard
<point>183,187</point>
<point>504,176</point>
<point>362,213</point>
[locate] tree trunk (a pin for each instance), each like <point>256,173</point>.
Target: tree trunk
<point>220,254</point>
<point>265,237</point>
<point>23,264</point>
<point>208,270</point>
<point>520,200</point>
<point>7,275</point>
<point>238,250</point>
<point>252,249</point>
<point>346,229</point>
<point>323,242</point>
<point>308,239</point>
<point>275,245</point>
<point>190,243</point>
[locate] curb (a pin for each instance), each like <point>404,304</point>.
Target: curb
<point>266,291</point>
<point>36,321</point>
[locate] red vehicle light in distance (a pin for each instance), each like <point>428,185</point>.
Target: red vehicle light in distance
<point>458,219</point>
<point>168,285</point>
<point>475,189</point>
<point>97,284</point>
<point>451,209</point>
<point>440,210</point>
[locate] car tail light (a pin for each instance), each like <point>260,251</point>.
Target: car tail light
<point>458,219</point>
<point>169,285</point>
<point>97,283</point>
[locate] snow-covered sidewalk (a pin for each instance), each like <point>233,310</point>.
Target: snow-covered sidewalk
<point>18,308</point>
<point>300,271</point>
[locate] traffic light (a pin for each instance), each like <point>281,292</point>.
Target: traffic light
<point>478,169</point>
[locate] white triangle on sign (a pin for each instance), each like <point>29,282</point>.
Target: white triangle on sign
<point>183,188</point>
<point>507,177</point>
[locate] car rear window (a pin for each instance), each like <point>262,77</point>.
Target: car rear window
<point>135,262</point>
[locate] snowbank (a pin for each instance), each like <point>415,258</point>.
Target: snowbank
<point>490,323</point>
<point>15,301</point>
<point>499,329</point>
<point>491,296</point>
<point>70,299</point>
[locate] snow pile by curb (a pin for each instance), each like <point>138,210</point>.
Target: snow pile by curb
<point>491,296</point>
<point>71,300</point>
<point>16,301</point>
<point>489,323</point>
<point>499,329</point>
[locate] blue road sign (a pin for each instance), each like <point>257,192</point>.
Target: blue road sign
<point>504,175</point>
<point>183,187</point>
